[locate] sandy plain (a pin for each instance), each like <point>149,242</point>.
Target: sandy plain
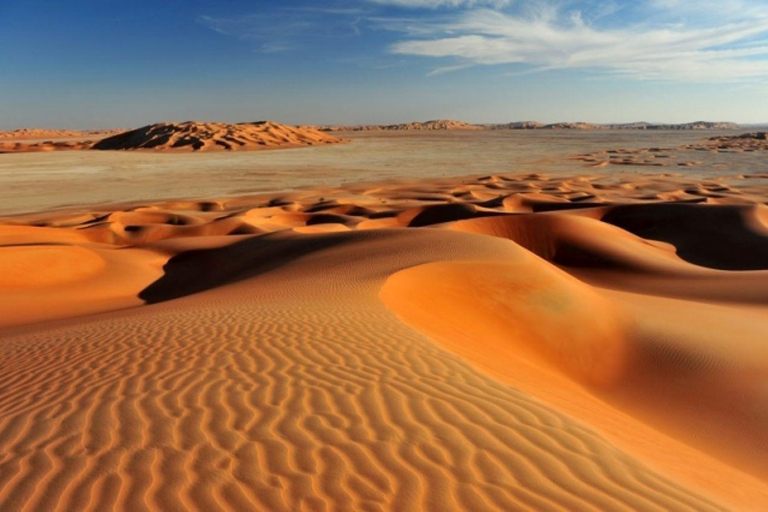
<point>41,181</point>
<point>442,337</point>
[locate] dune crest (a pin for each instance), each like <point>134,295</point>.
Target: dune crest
<point>215,136</point>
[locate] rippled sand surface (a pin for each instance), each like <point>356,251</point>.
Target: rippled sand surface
<point>507,341</point>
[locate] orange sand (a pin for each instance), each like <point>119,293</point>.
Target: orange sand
<point>39,133</point>
<point>188,136</point>
<point>487,343</point>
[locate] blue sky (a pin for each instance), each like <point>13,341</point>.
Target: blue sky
<point>86,63</point>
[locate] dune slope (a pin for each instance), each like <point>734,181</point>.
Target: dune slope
<point>486,343</point>
<point>291,395</point>
<point>215,136</point>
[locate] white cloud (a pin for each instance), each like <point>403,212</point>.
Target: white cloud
<point>714,41</point>
<point>288,29</point>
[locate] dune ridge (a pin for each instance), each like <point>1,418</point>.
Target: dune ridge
<point>196,136</point>
<point>498,342</point>
<point>190,136</point>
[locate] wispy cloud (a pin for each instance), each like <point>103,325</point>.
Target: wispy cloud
<point>673,40</point>
<point>706,40</point>
<point>287,29</point>
<point>448,69</point>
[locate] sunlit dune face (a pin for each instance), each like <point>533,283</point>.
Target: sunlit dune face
<point>46,265</point>
<point>526,308</point>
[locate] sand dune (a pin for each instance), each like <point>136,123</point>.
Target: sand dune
<point>510,342</point>
<point>190,136</point>
<point>34,147</point>
<point>33,140</point>
<point>215,136</point>
<point>39,133</point>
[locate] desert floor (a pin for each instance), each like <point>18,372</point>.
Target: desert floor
<point>31,182</point>
<point>577,339</point>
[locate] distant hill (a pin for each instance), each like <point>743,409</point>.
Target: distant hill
<point>195,136</point>
<point>517,125</point>
<point>450,124</point>
<point>436,124</point>
<point>697,125</point>
<point>573,126</point>
<point>533,125</point>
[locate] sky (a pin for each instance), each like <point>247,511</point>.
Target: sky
<point>125,63</point>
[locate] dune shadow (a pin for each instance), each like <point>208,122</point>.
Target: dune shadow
<point>715,236</point>
<point>203,269</point>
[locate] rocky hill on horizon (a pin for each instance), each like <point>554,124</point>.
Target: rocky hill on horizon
<point>433,125</point>
<point>642,125</point>
<point>451,124</point>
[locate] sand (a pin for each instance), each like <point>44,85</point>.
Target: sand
<point>675,156</point>
<point>47,134</point>
<point>36,140</point>
<point>497,342</point>
<point>65,179</point>
<point>187,136</point>
<point>197,136</point>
